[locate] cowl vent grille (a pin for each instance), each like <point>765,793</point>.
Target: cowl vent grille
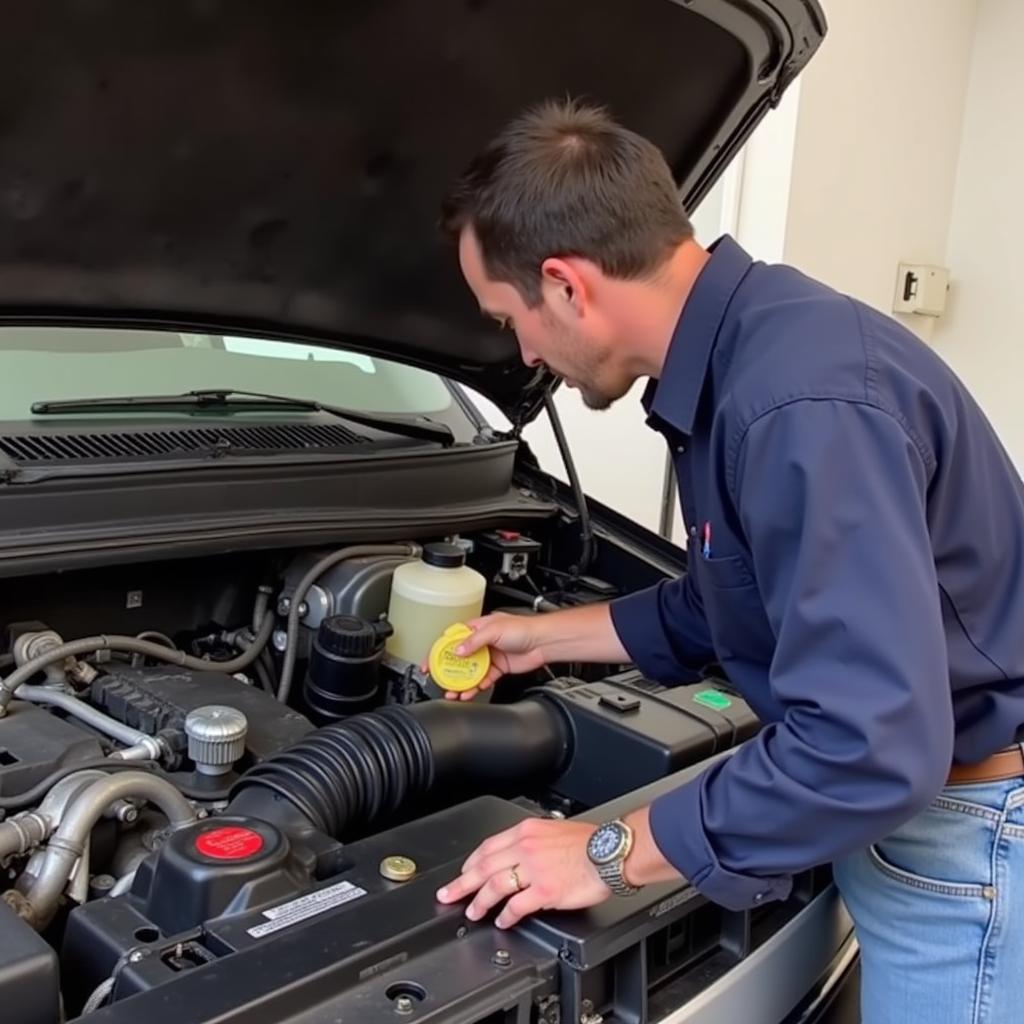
<point>148,444</point>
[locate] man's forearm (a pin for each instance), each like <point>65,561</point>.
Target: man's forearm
<point>580,634</point>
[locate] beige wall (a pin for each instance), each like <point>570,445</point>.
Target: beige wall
<point>877,140</point>
<point>982,335</point>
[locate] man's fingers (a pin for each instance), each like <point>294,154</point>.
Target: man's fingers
<point>480,637</point>
<point>465,885</point>
<point>492,677</point>
<point>526,902</point>
<point>492,857</point>
<point>489,630</point>
<point>498,887</point>
<point>483,856</point>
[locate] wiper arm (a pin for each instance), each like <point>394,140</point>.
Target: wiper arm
<point>232,399</point>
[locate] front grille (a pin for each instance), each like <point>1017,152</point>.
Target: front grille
<point>147,444</point>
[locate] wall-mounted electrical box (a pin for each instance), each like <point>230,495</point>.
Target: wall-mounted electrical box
<point>921,289</point>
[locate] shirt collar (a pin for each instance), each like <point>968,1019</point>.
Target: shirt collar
<point>674,396</point>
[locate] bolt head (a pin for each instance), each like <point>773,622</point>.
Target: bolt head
<point>501,958</point>
<point>280,640</point>
<point>136,956</point>
<point>404,1004</point>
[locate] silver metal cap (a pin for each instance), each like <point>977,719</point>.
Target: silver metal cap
<point>216,737</point>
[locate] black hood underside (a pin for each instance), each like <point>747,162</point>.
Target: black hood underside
<point>276,166</point>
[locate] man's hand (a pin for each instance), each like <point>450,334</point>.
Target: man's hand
<point>513,643</point>
<point>543,865</point>
<point>525,643</point>
<point>536,865</point>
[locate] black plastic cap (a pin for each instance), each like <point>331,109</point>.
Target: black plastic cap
<point>444,556</point>
<point>352,637</point>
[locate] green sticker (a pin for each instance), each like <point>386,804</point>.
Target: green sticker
<point>713,699</point>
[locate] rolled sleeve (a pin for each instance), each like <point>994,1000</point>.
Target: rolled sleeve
<point>664,630</point>
<point>832,498</point>
<point>691,851</point>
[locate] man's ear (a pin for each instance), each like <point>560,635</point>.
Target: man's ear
<point>563,285</point>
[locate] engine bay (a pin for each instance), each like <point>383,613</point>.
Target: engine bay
<point>203,759</point>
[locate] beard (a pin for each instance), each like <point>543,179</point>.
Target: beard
<point>586,369</point>
<point>596,400</point>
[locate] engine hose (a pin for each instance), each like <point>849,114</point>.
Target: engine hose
<point>259,669</point>
<point>297,598</point>
<point>159,652</point>
<point>351,774</point>
<point>141,746</point>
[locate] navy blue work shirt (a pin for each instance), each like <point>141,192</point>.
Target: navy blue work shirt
<point>856,565</point>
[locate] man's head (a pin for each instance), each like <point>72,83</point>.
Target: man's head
<point>560,211</point>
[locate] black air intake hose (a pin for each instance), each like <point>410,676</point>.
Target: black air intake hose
<point>351,773</point>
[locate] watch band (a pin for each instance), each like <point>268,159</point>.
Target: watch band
<point>612,876</point>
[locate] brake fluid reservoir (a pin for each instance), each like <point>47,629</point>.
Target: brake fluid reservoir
<point>430,595</point>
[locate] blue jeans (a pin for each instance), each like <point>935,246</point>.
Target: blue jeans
<point>938,908</point>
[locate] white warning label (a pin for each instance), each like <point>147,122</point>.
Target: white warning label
<point>290,913</point>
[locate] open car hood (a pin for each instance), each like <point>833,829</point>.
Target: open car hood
<point>276,166</point>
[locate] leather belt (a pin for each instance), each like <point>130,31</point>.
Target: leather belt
<point>1006,764</point>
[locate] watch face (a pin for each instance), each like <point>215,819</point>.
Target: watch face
<point>606,843</point>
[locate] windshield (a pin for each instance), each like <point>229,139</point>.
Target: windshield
<point>38,363</point>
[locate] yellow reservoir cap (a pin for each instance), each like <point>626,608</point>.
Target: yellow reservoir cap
<point>453,672</point>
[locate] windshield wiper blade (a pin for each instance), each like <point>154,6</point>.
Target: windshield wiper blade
<point>233,399</point>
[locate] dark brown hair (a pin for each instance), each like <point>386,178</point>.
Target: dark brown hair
<point>565,179</point>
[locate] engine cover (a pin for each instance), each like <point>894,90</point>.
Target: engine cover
<point>218,867</point>
<point>35,743</point>
<point>154,699</point>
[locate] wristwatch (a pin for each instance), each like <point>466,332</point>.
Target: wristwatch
<point>608,848</point>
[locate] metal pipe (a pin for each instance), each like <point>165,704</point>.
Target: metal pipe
<point>67,844</point>
<point>299,596</point>
<point>142,751</point>
<point>27,830</point>
<point>141,747</point>
<point>90,645</point>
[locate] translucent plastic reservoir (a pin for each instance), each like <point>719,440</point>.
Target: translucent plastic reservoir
<point>430,595</point>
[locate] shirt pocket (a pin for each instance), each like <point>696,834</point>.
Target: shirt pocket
<point>727,573</point>
<point>739,627</point>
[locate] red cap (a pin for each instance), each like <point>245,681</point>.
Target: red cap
<point>231,842</point>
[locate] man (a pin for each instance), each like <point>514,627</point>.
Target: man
<point>856,564</point>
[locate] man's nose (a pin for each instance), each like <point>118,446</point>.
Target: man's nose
<point>529,356</point>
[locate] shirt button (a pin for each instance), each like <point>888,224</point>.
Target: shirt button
<point>693,531</point>
<point>759,897</point>
<point>680,449</point>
